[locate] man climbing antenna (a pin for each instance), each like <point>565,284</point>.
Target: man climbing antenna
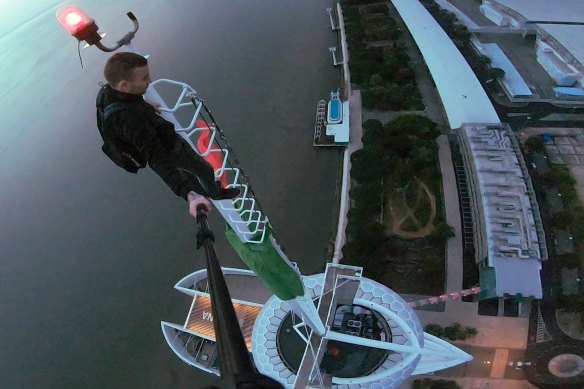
<point>134,134</point>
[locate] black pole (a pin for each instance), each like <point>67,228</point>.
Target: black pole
<point>235,364</point>
<point>233,355</point>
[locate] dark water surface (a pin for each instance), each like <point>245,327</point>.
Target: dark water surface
<point>89,253</point>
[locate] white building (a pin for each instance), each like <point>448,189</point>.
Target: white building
<point>508,234</point>
<point>559,29</point>
<point>461,93</point>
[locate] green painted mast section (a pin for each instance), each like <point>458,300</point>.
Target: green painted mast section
<point>267,263</point>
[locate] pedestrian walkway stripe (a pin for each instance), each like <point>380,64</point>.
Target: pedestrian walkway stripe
<point>499,363</point>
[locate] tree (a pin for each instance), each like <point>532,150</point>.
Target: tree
<point>561,219</point>
<point>365,166</point>
<point>455,332</point>
<point>403,174</point>
<point>471,332</point>
<point>434,329</point>
<point>366,238</point>
<point>446,19</point>
<point>495,73</point>
<point>444,384</point>
<point>399,145</point>
<point>442,232</point>
<point>377,8</point>
<point>571,303</point>
<point>420,157</point>
<point>373,134</point>
<point>376,80</point>
<point>372,124</point>
<point>534,144</point>
<point>367,197</point>
<point>404,75</point>
<point>395,57</point>
<point>570,260</point>
<point>483,60</point>
<point>371,97</point>
<point>396,97</point>
<point>355,30</point>
<point>361,70</point>
<point>460,32</point>
<point>417,125</point>
<point>428,383</point>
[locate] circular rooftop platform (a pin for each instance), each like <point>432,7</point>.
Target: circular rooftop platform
<point>340,359</point>
<point>566,365</point>
<point>278,348</point>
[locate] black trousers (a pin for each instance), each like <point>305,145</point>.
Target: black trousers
<point>195,170</point>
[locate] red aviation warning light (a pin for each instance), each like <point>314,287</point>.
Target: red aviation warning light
<point>78,24</point>
<point>82,27</point>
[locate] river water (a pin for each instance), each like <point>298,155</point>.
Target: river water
<point>89,253</point>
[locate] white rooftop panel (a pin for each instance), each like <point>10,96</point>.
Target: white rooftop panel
<point>548,10</point>
<point>569,36</point>
<point>512,80</point>
<point>518,276</point>
<point>509,224</point>
<point>462,95</point>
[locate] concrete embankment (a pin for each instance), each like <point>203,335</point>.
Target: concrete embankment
<point>355,143</point>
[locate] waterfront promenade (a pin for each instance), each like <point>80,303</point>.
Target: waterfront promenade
<point>499,339</point>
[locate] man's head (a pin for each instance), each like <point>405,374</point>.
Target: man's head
<point>127,72</point>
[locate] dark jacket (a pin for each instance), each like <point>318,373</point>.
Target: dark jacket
<point>154,137</point>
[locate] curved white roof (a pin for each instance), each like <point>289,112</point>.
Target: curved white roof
<point>463,97</point>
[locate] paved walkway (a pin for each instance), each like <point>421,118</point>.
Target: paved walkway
<point>471,11</point>
<point>480,383</point>
<point>492,331</point>
<point>430,96</point>
<point>434,109</point>
<point>355,134</point>
<point>453,245</point>
<point>461,93</point>
<point>468,22</point>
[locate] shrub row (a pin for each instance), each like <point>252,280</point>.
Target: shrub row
<point>384,74</point>
<point>570,217</point>
<point>428,383</point>
<point>461,37</point>
<point>453,332</point>
<point>391,154</point>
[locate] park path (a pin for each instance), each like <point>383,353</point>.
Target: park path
<point>452,209</point>
<point>397,221</point>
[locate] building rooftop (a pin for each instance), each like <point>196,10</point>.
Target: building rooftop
<point>510,225</point>
<point>569,36</point>
<point>546,10</point>
<point>513,82</point>
<point>200,318</point>
<point>462,95</point>
<point>570,11</point>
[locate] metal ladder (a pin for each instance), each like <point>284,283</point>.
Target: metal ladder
<point>243,213</point>
<point>320,119</point>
